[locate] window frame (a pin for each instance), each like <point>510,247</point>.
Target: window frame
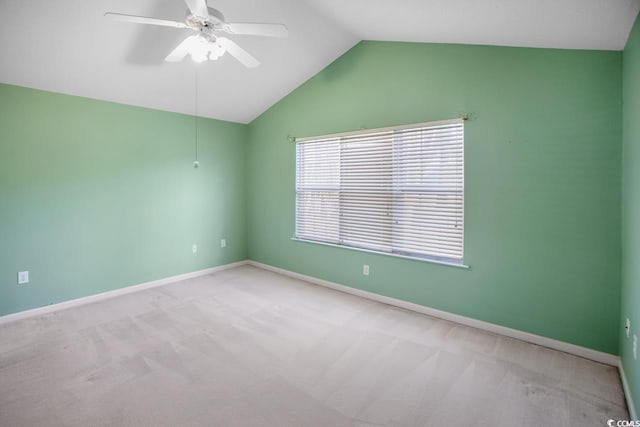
<point>397,252</point>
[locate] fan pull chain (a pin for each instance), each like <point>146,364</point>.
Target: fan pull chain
<point>196,163</point>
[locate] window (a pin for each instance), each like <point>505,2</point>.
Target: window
<point>396,190</point>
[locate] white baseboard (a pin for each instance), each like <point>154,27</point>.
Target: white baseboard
<point>627,393</point>
<point>114,293</point>
<point>587,353</point>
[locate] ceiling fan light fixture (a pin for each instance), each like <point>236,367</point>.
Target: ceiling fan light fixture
<point>199,49</point>
<point>197,57</point>
<point>215,51</point>
<point>205,48</point>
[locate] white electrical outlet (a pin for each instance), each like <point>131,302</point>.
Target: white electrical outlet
<point>194,248</point>
<point>627,327</point>
<point>23,277</point>
<point>635,347</point>
<point>223,243</point>
<point>365,269</point>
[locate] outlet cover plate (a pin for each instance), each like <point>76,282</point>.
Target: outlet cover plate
<point>23,277</point>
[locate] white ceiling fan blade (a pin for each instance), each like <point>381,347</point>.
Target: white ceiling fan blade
<point>181,50</point>
<point>198,8</point>
<point>256,29</point>
<point>239,53</point>
<point>144,20</point>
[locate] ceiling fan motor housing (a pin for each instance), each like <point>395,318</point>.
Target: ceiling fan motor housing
<point>215,17</point>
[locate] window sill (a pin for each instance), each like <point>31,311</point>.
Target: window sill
<point>414,258</point>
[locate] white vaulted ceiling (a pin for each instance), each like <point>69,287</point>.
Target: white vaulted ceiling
<point>563,24</point>
<point>68,46</point>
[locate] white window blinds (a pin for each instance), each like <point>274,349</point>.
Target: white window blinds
<point>395,190</point>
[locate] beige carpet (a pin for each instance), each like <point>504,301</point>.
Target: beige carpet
<point>247,347</point>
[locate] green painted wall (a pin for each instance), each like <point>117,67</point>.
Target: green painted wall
<point>631,208</point>
<point>542,208</point>
<point>95,196</point>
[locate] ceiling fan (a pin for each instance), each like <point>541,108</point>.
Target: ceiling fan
<point>209,24</point>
